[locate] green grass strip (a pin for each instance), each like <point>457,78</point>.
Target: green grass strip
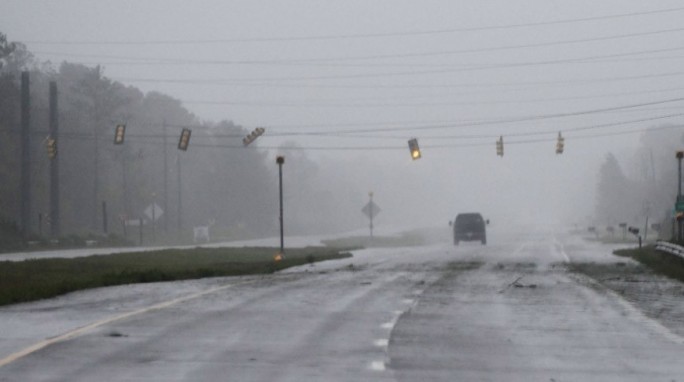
<point>44,278</point>
<point>660,262</point>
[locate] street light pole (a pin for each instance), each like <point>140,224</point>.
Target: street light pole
<point>280,160</point>
<point>54,164</point>
<point>680,155</point>
<point>370,194</point>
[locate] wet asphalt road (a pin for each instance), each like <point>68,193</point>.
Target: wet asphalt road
<point>508,311</point>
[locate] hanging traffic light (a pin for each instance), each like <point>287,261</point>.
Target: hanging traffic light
<point>119,133</point>
<point>560,144</point>
<point>184,140</point>
<point>500,146</point>
<point>252,136</point>
<point>415,150</point>
<point>52,148</point>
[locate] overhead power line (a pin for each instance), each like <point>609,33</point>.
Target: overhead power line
<point>335,61</point>
<point>509,120</point>
<point>444,146</point>
<point>552,131</point>
<point>358,35</point>
<point>267,80</point>
<point>158,137</point>
<point>364,102</point>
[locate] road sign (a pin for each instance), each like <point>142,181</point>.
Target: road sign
<point>371,210</point>
<point>154,212</point>
<point>679,206</point>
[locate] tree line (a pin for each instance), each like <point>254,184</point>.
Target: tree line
<point>643,184</point>
<point>215,182</point>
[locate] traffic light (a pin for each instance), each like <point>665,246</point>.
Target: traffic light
<point>415,150</point>
<point>499,147</point>
<point>560,144</point>
<point>184,140</point>
<point>52,148</point>
<point>119,133</point>
<point>252,136</point>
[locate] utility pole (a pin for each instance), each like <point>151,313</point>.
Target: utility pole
<point>96,174</point>
<point>105,228</point>
<point>25,186</point>
<point>281,160</point>
<point>124,171</point>
<point>370,205</point>
<point>180,196</point>
<point>678,203</point>
<point>166,181</point>
<point>54,163</point>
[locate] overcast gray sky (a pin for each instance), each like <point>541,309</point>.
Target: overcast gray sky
<point>455,74</point>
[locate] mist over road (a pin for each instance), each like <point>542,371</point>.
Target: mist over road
<point>510,310</point>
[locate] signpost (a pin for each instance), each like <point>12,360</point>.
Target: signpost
<point>154,212</point>
<point>624,231</point>
<point>371,210</point>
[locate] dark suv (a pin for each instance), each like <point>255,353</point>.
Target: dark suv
<point>469,227</point>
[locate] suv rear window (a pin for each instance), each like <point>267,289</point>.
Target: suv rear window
<point>469,220</point>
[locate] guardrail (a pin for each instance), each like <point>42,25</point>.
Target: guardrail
<point>670,248</point>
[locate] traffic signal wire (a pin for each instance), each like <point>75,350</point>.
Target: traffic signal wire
<point>336,61</point>
<point>362,35</point>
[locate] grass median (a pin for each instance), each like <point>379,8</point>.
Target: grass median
<point>44,278</point>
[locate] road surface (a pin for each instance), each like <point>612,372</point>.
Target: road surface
<point>508,311</point>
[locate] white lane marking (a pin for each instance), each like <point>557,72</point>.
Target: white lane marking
<point>83,330</point>
<point>519,249</point>
<point>377,366</point>
<point>407,301</point>
<point>561,250</point>
<point>381,343</point>
<point>388,325</point>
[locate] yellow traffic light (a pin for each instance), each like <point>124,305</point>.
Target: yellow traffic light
<point>52,148</point>
<point>184,140</point>
<point>415,150</point>
<point>119,133</point>
<point>560,144</point>
<point>500,147</point>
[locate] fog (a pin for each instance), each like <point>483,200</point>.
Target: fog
<point>340,87</point>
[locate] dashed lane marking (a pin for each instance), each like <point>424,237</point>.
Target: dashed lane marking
<point>561,250</point>
<point>381,343</point>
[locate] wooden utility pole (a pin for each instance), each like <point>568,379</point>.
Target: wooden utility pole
<point>166,181</point>
<point>25,183</point>
<point>54,163</point>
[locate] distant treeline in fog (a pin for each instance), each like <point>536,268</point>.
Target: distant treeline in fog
<point>222,183</point>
